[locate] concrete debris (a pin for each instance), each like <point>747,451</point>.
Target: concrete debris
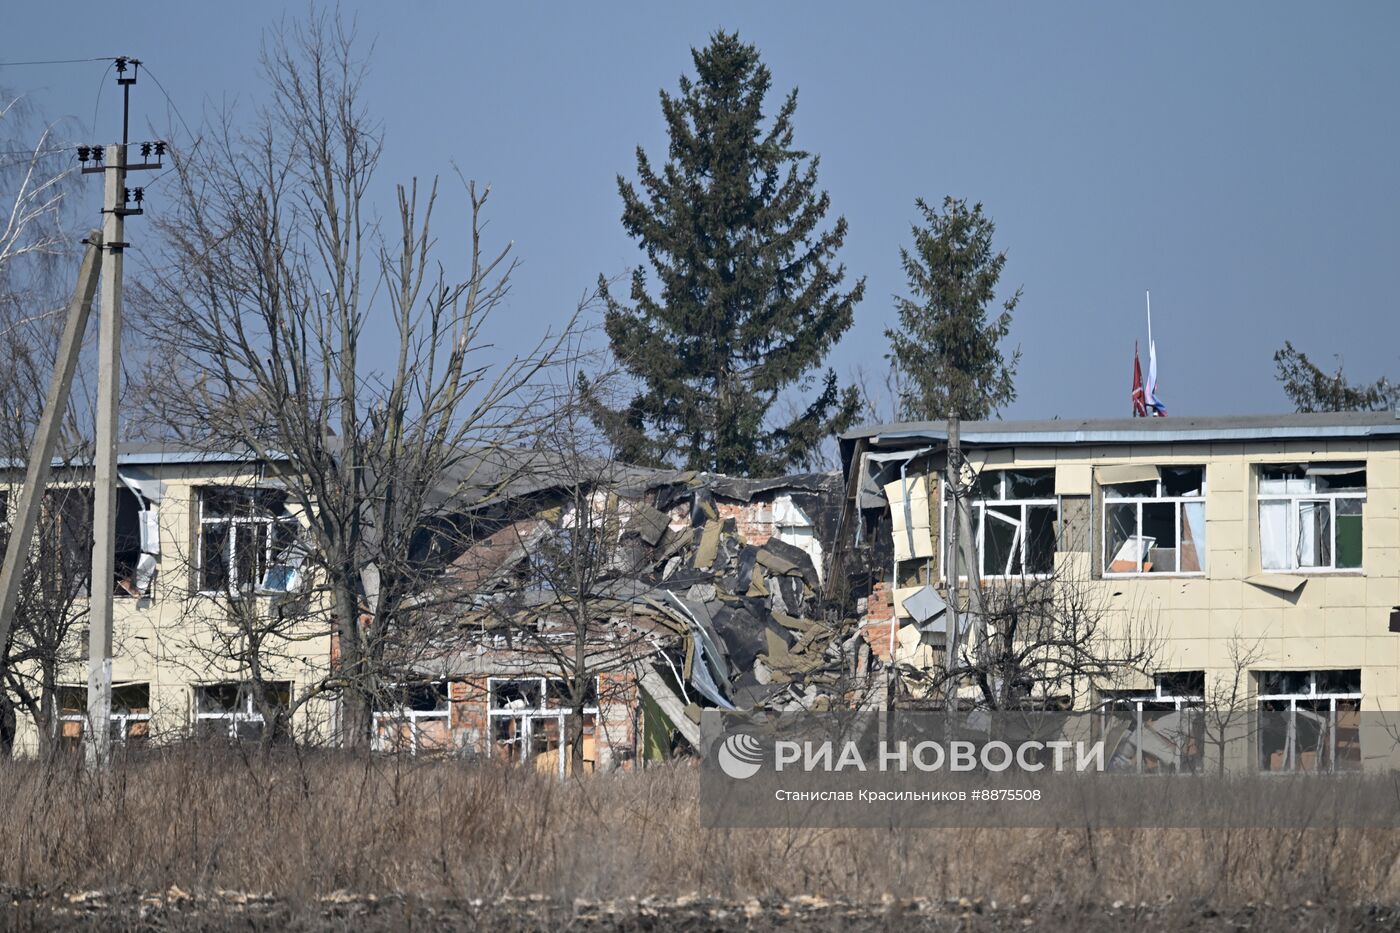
<point>725,579</point>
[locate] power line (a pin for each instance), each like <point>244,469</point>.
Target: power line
<point>26,153</point>
<point>59,61</point>
<point>169,100</point>
<point>101,83</point>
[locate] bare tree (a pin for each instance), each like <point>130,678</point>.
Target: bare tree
<point>1228,701</point>
<point>37,182</point>
<point>37,174</point>
<point>1049,640</point>
<point>571,606</point>
<point>280,287</point>
<point>249,609</point>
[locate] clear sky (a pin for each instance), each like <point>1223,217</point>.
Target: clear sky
<point>1238,159</point>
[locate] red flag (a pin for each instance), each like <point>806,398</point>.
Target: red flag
<point>1139,396</point>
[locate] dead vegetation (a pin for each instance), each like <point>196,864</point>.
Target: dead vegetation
<point>316,832</point>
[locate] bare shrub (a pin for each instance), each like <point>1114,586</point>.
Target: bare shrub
<point>303,825</point>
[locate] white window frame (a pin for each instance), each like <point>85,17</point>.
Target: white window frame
<point>1294,502</point>
<point>123,720</point>
<point>1312,695</point>
<point>230,524</point>
<point>1118,702</point>
<point>402,714</point>
<point>530,716</point>
<point>1159,499</point>
<point>246,711</point>
<point>979,521</point>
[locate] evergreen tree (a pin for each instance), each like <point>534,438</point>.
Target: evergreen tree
<point>947,353</point>
<point>748,297</point>
<point>1311,389</point>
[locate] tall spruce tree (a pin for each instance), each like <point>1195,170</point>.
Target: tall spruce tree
<point>947,352</point>
<point>748,299</point>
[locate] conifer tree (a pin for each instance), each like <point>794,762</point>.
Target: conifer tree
<point>743,299</point>
<point>946,350</point>
<point>1309,388</point>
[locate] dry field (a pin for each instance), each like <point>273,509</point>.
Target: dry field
<point>198,838</point>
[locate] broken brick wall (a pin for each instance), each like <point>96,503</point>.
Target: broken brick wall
<point>469,701</point>
<point>610,737</point>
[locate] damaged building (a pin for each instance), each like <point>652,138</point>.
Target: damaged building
<point>1263,552</point>
<point>698,592</point>
<point>613,608</point>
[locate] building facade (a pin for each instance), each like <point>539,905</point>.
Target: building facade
<point>1265,553</point>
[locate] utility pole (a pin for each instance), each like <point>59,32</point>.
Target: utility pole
<point>104,488</point>
<point>41,448</point>
<point>115,209</point>
<point>962,544</point>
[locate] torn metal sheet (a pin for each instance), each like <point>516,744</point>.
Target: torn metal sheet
<point>910,517</point>
<point>1282,582</point>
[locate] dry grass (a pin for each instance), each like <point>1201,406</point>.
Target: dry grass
<point>300,826</point>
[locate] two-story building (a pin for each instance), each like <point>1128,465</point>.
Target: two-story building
<point>1265,550</point>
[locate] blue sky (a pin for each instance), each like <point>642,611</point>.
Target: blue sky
<point>1240,160</point>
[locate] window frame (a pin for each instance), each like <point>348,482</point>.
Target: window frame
<point>1160,498</point>
<point>1294,503</point>
<point>979,507</point>
<point>1117,702</point>
<point>530,716</point>
<point>1313,695</point>
<point>401,714</point>
<point>230,523</point>
<point>246,710</point>
<point>122,720</point>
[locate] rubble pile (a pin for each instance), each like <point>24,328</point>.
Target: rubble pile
<point>728,568</point>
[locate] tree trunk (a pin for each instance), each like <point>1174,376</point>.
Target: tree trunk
<point>7,727</point>
<point>356,715</point>
<point>46,723</point>
<point>576,763</point>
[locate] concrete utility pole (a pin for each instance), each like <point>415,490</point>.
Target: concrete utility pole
<point>104,488</point>
<point>41,448</point>
<point>962,544</point>
<point>115,209</point>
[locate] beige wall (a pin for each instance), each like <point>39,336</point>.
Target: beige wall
<point>1337,619</point>
<point>176,638</point>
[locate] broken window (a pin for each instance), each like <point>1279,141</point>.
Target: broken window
<point>129,725</point>
<point>229,710</point>
<point>246,539</point>
<point>529,716</point>
<point>1310,516</point>
<point>1310,720</point>
<point>1014,513</point>
<point>1157,731</point>
<point>413,717</point>
<point>133,537</point>
<point>64,542</point>
<point>1156,526</point>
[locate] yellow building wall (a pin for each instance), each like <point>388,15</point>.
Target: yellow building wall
<point>175,638</point>
<point>1337,619</point>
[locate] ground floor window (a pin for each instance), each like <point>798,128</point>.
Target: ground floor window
<point>128,725</point>
<point>1156,731</point>
<point>230,711</point>
<point>1310,720</point>
<point>529,716</point>
<point>413,718</point>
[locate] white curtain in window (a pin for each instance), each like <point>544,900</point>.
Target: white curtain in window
<point>1274,549</point>
<point>1314,533</point>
